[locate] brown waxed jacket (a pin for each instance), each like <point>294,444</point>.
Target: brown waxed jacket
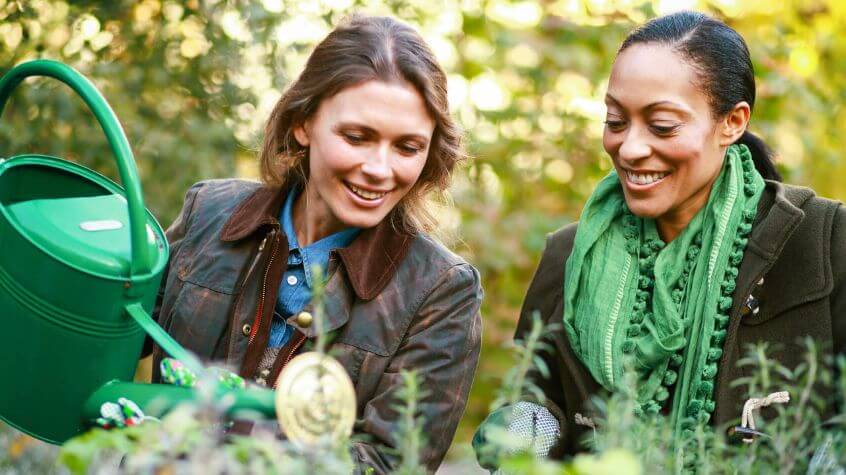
<point>797,245</point>
<point>392,302</point>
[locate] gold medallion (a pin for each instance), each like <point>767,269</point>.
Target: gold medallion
<point>315,399</point>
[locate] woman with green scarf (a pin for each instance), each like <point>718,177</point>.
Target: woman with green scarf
<point>686,252</point>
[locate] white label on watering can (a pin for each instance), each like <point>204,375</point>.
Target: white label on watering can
<point>101,225</point>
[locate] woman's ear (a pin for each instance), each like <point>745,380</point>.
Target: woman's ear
<point>734,123</point>
<point>301,135</point>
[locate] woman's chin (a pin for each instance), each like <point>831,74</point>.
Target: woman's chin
<point>644,209</point>
<point>361,219</point>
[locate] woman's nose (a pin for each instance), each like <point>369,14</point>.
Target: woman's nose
<point>377,165</point>
<point>634,146</point>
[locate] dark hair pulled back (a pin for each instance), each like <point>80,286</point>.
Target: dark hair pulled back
<point>721,59</point>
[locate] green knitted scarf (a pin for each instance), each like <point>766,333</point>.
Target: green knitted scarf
<point>662,310</point>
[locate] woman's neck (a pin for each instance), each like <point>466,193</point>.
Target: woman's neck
<point>313,220</point>
<point>671,224</point>
<point>669,229</point>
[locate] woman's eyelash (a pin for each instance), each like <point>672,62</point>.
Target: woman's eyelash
<point>657,129</point>
<point>664,129</point>
<point>353,138</point>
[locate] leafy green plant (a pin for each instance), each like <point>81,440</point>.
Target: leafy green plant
<point>800,437</point>
<point>191,436</point>
<point>526,351</point>
<point>410,435</point>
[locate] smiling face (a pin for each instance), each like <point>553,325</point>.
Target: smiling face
<point>367,146</point>
<point>666,146</point>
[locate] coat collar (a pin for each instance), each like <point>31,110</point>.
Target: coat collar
<point>779,214</point>
<point>371,260</point>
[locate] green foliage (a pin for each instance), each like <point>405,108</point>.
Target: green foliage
<point>191,437</point>
<point>410,433</point>
<point>800,436</point>
<point>493,442</point>
<point>192,82</point>
<point>527,358</point>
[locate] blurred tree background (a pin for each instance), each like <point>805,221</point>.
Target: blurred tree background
<point>193,82</point>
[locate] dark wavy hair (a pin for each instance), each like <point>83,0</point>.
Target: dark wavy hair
<point>721,59</point>
<point>360,49</point>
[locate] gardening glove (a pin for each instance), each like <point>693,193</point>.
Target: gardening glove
<point>176,373</point>
<point>524,426</point>
<point>120,414</point>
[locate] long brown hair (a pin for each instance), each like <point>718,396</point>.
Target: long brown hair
<point>360,49</point>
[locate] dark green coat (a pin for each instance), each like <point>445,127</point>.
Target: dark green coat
<point>798,247</point>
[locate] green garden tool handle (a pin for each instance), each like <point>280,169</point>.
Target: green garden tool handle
<point>142,261</point>
<point>158,399</point>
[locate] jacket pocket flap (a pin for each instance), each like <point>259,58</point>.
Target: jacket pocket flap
<point>220,273</point>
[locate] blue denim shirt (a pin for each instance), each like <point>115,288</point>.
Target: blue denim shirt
<point>295,289</point>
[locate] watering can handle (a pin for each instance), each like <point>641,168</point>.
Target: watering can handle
<point>141,259</point>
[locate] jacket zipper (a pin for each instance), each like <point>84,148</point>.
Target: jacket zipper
<point>260,310</point>
<point>253,262</point>
<point>296,346</point>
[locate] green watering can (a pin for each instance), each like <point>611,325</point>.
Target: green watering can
<point>81,260</point>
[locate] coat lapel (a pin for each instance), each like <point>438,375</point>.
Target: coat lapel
<point>778,217</point>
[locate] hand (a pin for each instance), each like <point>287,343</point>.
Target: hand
<point>521,427</point>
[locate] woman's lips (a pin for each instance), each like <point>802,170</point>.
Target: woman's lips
<point>642,181</point>
<point>365,198</point>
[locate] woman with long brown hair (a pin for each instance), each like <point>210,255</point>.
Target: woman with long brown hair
<point>352,151</point>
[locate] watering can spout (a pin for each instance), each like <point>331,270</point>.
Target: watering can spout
<point>165,341</point>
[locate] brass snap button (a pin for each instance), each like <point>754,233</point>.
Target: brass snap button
<point>246,329</point>
<point>304,319</point>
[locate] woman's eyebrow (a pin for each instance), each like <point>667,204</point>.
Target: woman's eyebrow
<point>356,125</point>
<point>373,132</point>
<point>664,104</point>
<point>610,98</point>
<point>668,105</point>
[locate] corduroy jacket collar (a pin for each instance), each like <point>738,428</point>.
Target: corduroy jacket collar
<point>370,260</point>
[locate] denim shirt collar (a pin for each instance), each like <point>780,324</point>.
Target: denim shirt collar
<point>316,252</point>
<point>370,261</point>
